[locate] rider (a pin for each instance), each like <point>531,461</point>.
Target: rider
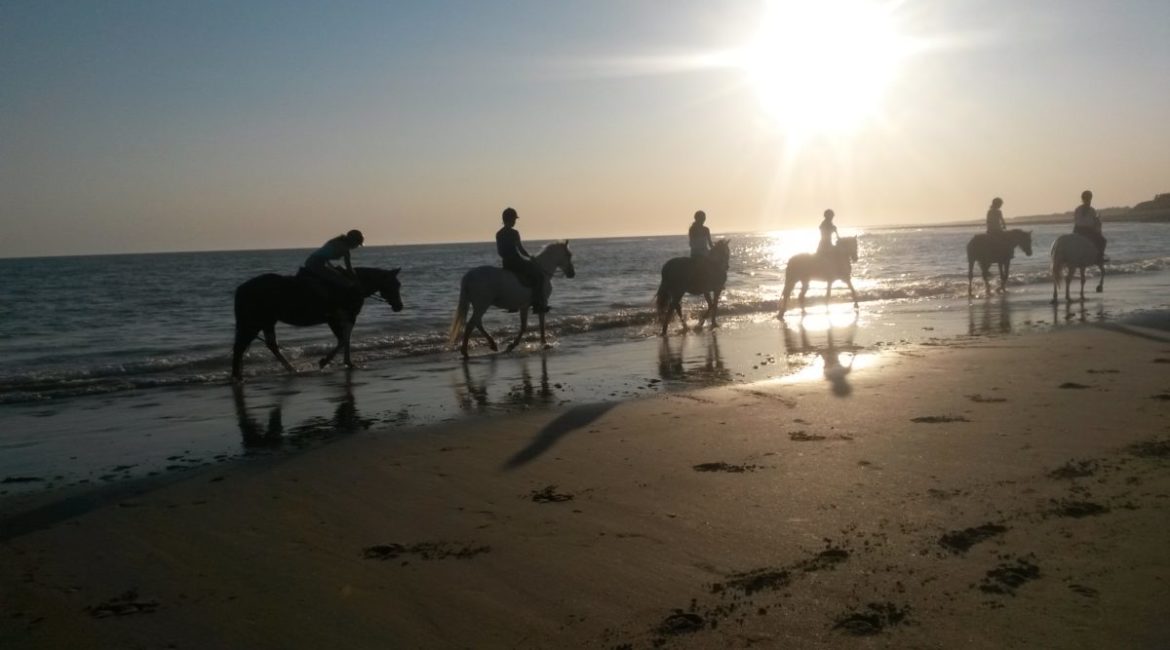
<point>828,231</point>
<point>1088,225</point>
<point>517,260</point>
<point>700,237</point>
<point>996,226</point>
<point>318,262</point>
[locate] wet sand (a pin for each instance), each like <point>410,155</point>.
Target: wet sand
<point>1011,492</point>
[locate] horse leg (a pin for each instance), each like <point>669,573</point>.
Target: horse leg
<point>482,330</point>
<point>666,318</point>
<point>970,277</point>
<point>853,292</point>
<point>523,329</point>
<point>828,294</point>
<point>543,343</point>
<point>706,313</point>
<point>784,298</point>
<point>715,308</point>
<point>803,290</point>
<point>1068,278</point>
<point>244,338</point>
<point>676,304</point>
<point>270,341</point>
<point>1082,284</point>
<point>1101,282</point>
<point>1055,283</point>
<point>336,328</point>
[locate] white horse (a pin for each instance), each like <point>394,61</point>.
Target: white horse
<point>834,264</point>
<point>1074,252</point>
<point>488,286</point>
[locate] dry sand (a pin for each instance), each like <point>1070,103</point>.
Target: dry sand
<point>1008,493</point>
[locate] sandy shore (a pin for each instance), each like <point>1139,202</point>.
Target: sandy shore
<point>1003,493</point>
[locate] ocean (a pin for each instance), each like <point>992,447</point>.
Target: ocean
<point>101,349</point>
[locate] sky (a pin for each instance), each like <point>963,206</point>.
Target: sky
<point>166,125</point>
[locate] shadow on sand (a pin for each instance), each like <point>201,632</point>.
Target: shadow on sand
<point>837,339</point>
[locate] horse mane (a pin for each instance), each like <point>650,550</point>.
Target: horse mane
<point>559,242</point>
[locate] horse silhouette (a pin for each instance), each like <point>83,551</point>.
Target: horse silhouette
<point>1074,252</point>
<point>988,249</point>
<point>830,266</point>
<point>270,298</point>
<point>488,286</point>
<point>683,275</point>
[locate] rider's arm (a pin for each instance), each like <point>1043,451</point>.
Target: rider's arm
<point>520,248</point>
<point>710,244</point>
<point>348,265</point>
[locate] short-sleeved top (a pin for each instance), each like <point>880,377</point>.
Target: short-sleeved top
<point>827,230</point>
<point>334,249</point>
<point>994,220</point>
<point>508,243</point>
<point>1086,216</point>
<point>700,237</point>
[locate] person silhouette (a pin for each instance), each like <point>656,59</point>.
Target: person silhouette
<point>518,261</point>
<point>828,232</point>
<point>1087,224</point>
<point>318,263</point>
<point>995,223</point>
<point>700,237</point>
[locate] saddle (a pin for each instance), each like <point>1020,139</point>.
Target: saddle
<point>332,295</point>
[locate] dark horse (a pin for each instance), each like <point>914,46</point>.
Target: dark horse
<point>683,275</point>
<point>998,249</point>
<point>268,298</point>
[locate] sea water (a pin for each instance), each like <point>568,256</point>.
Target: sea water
<point>121,362</point>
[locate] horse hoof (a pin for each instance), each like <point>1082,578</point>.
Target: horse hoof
<point>1100,289</point>
<point>547,346</point>
<point>322,363</point>
<point>494,347</point>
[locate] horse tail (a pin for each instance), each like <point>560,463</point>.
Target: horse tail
<point>460,319</point>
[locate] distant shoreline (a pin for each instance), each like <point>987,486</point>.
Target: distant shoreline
<point>1108,215</point>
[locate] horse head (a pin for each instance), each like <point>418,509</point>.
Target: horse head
<point>1023,240</point>
<point>848,245</point>
<point>721,253</point>
<point>557,256</point>
<point>386,285</point>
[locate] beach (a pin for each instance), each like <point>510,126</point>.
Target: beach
<point>1006,491</point>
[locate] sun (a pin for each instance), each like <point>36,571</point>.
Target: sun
<point>824,66</point>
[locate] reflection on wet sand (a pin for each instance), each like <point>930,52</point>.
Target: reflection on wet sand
<point>707,370</point>
<point>472,395</point>
<point>254,435</point>
<point>837,339</point>
<point>992,316</point>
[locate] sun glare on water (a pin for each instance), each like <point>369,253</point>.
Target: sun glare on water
<point>823,66</point>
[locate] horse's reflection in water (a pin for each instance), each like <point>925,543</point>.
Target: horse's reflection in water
<point>837,339</point>
<point>255,435</point>
<point>472,393</point>
<point>992,316</point>
<point>673,363</point>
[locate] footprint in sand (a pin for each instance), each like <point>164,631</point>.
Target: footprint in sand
<point>872,619</point>
<point>1073,385</point>
<point>1009,576</point>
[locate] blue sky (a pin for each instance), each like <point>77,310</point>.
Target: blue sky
<point>149,126</point>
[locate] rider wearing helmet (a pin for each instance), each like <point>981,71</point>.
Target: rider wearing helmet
<point>318,262</point>
<point>518,261</point>
<point>828,231</point>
